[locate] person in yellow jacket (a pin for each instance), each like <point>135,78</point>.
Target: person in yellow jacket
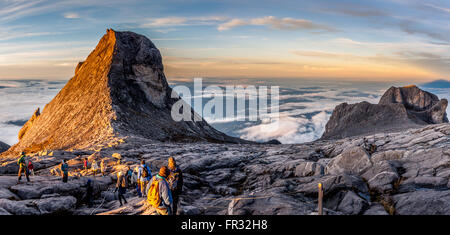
<point>22,162</point>
<point>159,195</point>
<point>103,167</point>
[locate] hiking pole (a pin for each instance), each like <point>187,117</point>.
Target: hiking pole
<point>320,209</point>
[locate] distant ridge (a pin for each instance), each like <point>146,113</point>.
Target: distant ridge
<point>441,83</point>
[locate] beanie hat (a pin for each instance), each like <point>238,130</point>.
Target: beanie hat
<point>172,163</point>
<point>164,172</point>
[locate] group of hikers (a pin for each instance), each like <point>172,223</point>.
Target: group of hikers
<point>162,191</point>
<point>94,166</point>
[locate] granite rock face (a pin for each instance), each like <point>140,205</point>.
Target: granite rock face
<point>119,92</point>
<point>399,108</point>
<point>421,105</point>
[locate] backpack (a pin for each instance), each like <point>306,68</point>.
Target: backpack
<point>21,161</point>
<point>144,172</point>
<point>153,197</point>
<point>173,180</point>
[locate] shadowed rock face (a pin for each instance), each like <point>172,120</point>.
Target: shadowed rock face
<point>3,147</point>
<point>120,91</point>
<point>399,108</point>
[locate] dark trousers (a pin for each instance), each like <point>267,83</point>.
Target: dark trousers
<point>121,195</point>
<point>65,176</point>
<point>24,169</point>
<point>175,198</point>
<point>89,200</point>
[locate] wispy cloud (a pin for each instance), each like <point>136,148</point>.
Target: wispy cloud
<point>20,31</point>
<point>277,23</point>
<point>415,27</point>
<point>13,10</point>
<point>231,24</point>
<point>71,15</point>
<point>439,8</point>
<point>181,21</point>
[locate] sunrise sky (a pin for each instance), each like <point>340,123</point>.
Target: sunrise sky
<point>386,40</point>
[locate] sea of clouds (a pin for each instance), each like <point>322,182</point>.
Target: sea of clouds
<point>305,106</point>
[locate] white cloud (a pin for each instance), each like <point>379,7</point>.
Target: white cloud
<point>288,130</point>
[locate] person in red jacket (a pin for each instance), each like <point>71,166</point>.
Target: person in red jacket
<point>85,164</point>
<point>30,168</point>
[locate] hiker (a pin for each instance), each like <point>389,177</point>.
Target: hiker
<point>159,195</point>
<point>144,176</point>
<point>103,167</point>
<point>133,179</point>
<point>129,175</point>
<point>22,167</point>
<point>175,180</point>
<point>89,193</point>
<point>65,170</point>
<point>30,168</point>
<point>138,182</point>
<point>94,167</point>
<point>121,185</point>
<point>85,164</point>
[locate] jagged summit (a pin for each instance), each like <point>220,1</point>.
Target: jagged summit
<point>119,91</point>
<point>399,108</point>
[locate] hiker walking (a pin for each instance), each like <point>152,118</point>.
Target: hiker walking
<point>103,167</point>
<point>22,167</point>
<point>159,195</point>
<point>175,181</point>
<point>89,193</point>
<point>121,186</point>
<point>94,167</point>
<point>65,170</point>
<point>145,176</point>
<point>30,168</point>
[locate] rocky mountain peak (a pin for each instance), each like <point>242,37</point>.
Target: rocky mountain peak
<point>399,108</point>
<point>119,92</point>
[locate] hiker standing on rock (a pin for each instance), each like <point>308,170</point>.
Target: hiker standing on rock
<point>144,176</point>
<point>85,164</point>
<point>121,185</point>
<point>103,167</point>
<point>94,167</point>
<point>159,195</point>
<point>22,167</point>
<point>65,170</point>
<point>175,180</point>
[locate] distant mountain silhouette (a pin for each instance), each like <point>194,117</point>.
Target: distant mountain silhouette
<point>441,83</point>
